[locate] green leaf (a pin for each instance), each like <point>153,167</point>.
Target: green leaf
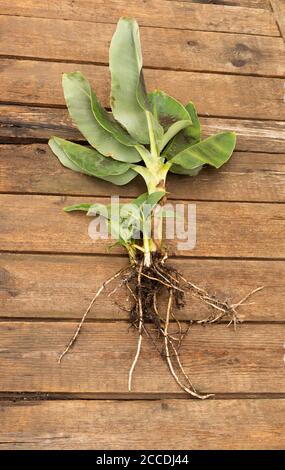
<point>121,180</point>
<point>172,131</point>
<point>140,199</point>
<point>87,160</point>
<point>61,155</point>
<point>150,203</point>
<point>171,114</point>
<point>189,136</point>
<point>154,198</point>
<point>128,95</point>
<point>98,208</point>
<point>93,121</point>
<point>78,207</point>
<point>179,170</point>
<point>167,109</point>
<point>214,151</point>
<point>195,130</point>
<point>108,123</point>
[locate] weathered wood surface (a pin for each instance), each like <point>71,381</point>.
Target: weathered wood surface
<point>247,177</point>
<point>186,424</point>
<point>26,123</point>
<point>218,359</point>
<point>151,13</point>
<point>39,83</point>
<point>51,286</point>
<point>263,4</point>
<point>37,223</point>
<point>278,7</point>
<point>228,57</point>
<point>162,48</point>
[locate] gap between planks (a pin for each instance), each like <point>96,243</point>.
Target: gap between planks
<point>262,4</point>
<point>207,52</point>
<point>201,70</point>
<point>36,124</point>
<point>247,177</point>
<point>59,287</point>
<point>32,223</point>
<point>154,13</point>
<point>218,359</point>
<point>243,96</point>
<point>24,397</point>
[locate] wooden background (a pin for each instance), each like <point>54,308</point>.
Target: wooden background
<point>228,57</point>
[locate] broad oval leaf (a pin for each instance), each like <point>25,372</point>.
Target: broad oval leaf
<point>180,123</point>
<point>124,178</point>
<point>188,136</point>
<point>62,156</point>
<point>79,98</point>
<point>128,95</point>
<point>108,123</point>
<point>173,130</point>
<point>214,151</point>
<point>167,109</point>
<point>89,161</point>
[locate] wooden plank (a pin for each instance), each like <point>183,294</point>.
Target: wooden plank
<point>159,424</point>
<point>27,123</point>
<point>218,359</point>
<point>263,4</point>
<point>37,223</point>
<point>37,82</point>
<point>48,286</point>
<point>152,13</point>
<point>162,48</point>
<point>247,177</point>
<point>279,14</point>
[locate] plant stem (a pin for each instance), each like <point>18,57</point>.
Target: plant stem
<point>153,144</point>
<point>147,255</point>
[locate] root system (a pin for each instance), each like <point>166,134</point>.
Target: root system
<point>148,287</point>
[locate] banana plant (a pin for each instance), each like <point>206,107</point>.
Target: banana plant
<point>146,134</point>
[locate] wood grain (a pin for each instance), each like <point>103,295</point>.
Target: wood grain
<point>47,286</point>
<point>37,223</point>
<point>110,425</point>
<point>152,13</point>
<point>27,123</point>
<point>263,4</point>
<point>236,96</point>
<point>218,359</point>
<point>247,177</point>
<point>228,57</point>
<point>279,14</point>
<point>162,48</point>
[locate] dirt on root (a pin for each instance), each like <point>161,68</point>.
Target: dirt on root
<point>149,287</point>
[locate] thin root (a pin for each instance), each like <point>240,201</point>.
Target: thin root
<point>168,358</point>
<point>140,329</point>
<point>224,308</point>
<point>144,284</point>
<point>74,337</point>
